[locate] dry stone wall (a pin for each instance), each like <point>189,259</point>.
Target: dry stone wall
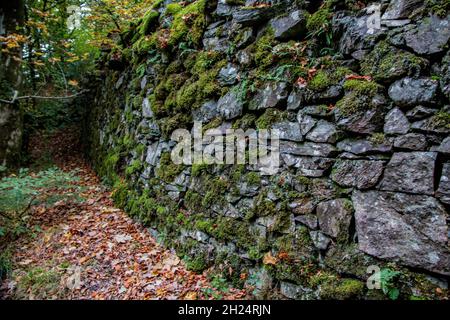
<point>364,118</point>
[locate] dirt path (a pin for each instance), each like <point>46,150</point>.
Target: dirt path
<point>89,249</point>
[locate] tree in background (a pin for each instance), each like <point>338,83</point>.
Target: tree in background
<point>11,40</point>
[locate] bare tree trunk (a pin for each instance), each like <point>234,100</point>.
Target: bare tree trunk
<point>11,122</point>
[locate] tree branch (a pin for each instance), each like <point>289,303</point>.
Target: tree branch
<point>42,97</point>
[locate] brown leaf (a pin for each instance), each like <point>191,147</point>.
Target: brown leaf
<point>269,259</point>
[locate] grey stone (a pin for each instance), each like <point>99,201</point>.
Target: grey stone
<point>301,96</point>
<point>230,106</point>
<point>263,285</point>
<point>443,192</point>
<point>307,149</point>
<point>400,9</point>
<point>308,220</point>
<point>430,36</point>
<point>289,131</point>
<point>317,110</point>
<point>445,75</point>
<point>324,132</point>
<point>445,146</point>
<point>411,172</point>
<point>368,121</point>
<point>411,141</point>
<point>355,33</point>
<point>224,9</point>
<point>272,95</point>
<point>335,217</point>
<point>322,189</point>
<point>244,58</point>
<point>409,229</point>
<point>349,260</point>
<point>395,23</point>
<point>290,26</point>
<point>216,37</point>
<point>120,82</point>
<point>361,174</point>
<point>431,125</point>
<point>206,112</point>
<point>303,206</point>
<point>228,75</point>
<point>252,16</point>
<point>306,122</point>
<point>313,166</point>
<point>412,92</point>
<point>248,190</point>
<point>396,122</point>
<point>143,82</point>
<point>245,38</point>
<point>320,240</point>
<point>363,147</point>
<point>146,109</point>
<point>154,152</point>
<point>148,128</point>
<point>295,292</point>
<point>420,112</point>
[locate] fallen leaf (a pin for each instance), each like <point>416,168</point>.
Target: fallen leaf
<point>269,259</point>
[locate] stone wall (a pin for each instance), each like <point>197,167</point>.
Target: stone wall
<point>364,119</point>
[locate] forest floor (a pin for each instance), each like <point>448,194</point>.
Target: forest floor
<point>82,247</point>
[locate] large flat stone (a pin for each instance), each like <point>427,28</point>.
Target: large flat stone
<point>411,172</point>
<point>409,229</point>
<point>361,174</point>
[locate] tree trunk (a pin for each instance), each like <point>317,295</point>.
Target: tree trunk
<point>11,122</point>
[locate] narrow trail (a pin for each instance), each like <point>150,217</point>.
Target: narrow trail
<point>89,249</point>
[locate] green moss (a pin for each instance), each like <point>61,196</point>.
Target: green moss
<point>320,278</point>
<point>193,201</point>
<point>342,289</point>
<point>215,123</point>
<point>134,167</point>
<point>149,23</point>
<point>196,90</point>
<point>377,138</point>
<point>441,119</point>
<point>387,63</point>
<point>228,229</point>
<point>359,96</point>
<point>167,170</point>
<point>120,193</point>
<point>262,50</point>
<point>173,8</point>
<point>269,117</point>
<point>264,207</point>
<point>319,20</point>
<point>168,125</point>
<point>188,24</point>
<point>246,122</point>
<point>204,60</point>
<point>303,180</point>
<point>253,178</point>
<point>140,149</point>
<point>198,169</point>
<point>439,7</point>
<point>146,44</point>
<point>326,78</point>
<point>235,2</point>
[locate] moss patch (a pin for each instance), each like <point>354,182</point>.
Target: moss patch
<point>386,63</point>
